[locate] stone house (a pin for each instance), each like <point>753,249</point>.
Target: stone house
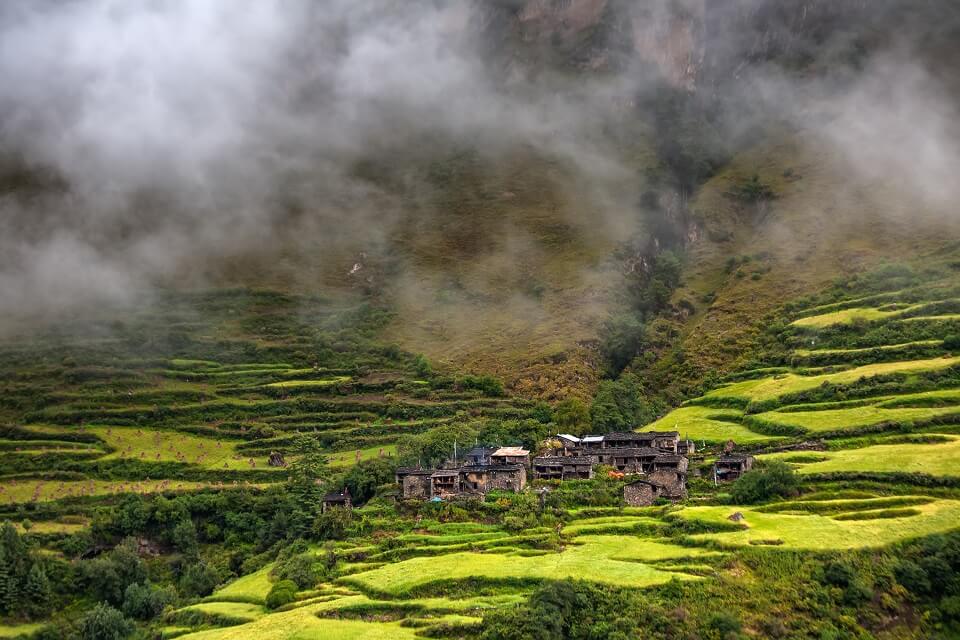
<point>563,467</point>
<point>414,482</point>
<point>667,441</point>
<point>670,462</point>
<point>445,483</point>
<point>568,443</point>
<point>641,493</point>
<point>627,440</point>
<point>337,499</point>
<point>510,455</point>
<point>591,443</point>
<point>485,478</point>
<point>479,455</point>
<point>634,460</point>
<point>731,466</point>
<point>686,447</point>
<point>672,483</point>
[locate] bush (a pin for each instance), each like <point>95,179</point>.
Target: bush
<point>301,569</point>
<point>952,342</point>
<point>199,579</point>
<point>103,622</point>
<point>724,624</point>
<point>776,479</point>
<point>283,592</point>
<point>145,602</point>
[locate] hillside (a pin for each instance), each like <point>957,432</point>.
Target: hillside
<point>307,309</point>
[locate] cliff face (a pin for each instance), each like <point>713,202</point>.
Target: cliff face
<point>689,42</point>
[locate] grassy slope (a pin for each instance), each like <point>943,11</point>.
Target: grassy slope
<point>823,223</point>
<point>937,459</point>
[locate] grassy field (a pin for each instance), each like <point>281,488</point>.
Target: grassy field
<point>19,630</point>
<point>20,491</point>
<point>700,424</point>
<point>251,588</point>
<point>886,347</point>
<point>848,316</point>
<point>347,458</point>
<point>938,459</point>
<point>327,382</point>
<point>818,533</point>
<point>613,560</point>
<point>156,445</point>
<point>853,418</point>
<point>774,387</point>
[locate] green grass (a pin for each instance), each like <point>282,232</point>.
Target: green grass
<point>19,630</point>
<point>237,610</point>
<point>348,458</point>
<point>329,382</point>
<point>818,532</point>
<point>938,459</point>
<point>610,559</point>
<point>698,423</point>
<point>773,387</point>
<point>848,316</point>
<point>303,623</point>
<point>852,418</point>
<point>251,588</point>
<point>52,526</point>
<point>154,445</point>
<point>19,491</point>
<point>853,352</point>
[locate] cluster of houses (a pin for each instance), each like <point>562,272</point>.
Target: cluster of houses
<point>655,462</point>
<point>482,469</point>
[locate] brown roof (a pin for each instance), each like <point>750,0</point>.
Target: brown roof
<point>510,452</point>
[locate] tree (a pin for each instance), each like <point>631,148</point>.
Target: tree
<point>619,405</point>
<point>199,579</point>
<point>109,575</point>
<point>145,601</point>
<point>184,538</point>
<point>364,478</point>
<point>305,483</point>
<point>624,336</point>
<point>103,622</point>
<point>37,592</point>
<point>776,479</point>
<point>572,415</point>
<point>8,590</point>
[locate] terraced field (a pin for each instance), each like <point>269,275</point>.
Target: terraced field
<point>847,369</point>
<point>383,599</point>
<point>199,395</point>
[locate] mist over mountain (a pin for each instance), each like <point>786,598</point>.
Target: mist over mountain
<point>497,171</point>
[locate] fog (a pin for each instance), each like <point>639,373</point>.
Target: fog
<point>171,135</point>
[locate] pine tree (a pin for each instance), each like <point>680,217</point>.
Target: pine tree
<point>37,591</point>
<point>4,579</point>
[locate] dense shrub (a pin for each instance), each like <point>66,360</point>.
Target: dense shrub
<point>103,622</point>
<point>145,601</point>
<point>283,592</point>
<point>776,479</point>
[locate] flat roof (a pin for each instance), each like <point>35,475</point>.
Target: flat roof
<point>510,451</point>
